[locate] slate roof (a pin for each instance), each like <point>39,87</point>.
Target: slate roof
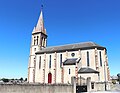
<point>87,70</point>
<point>70,47</point>
<point>71,61</point>
<point>114,77</point>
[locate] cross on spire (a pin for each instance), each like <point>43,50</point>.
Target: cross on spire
<point>41,4</point>
<point>40,24</point>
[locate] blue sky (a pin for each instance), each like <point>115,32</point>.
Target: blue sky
<point>66,21</point>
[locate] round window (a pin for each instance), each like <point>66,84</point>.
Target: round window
<point>72,54</point>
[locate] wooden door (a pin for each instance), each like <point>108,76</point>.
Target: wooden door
<point>49,78</point>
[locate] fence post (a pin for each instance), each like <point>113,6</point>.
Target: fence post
<point>73,82</point>
<point>88,84</point>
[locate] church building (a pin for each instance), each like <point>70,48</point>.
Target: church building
<point>57,64</point>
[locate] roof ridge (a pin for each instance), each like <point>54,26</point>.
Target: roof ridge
<point>72,44</point>
<point>71,47</point>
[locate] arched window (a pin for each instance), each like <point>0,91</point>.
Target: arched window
<point>50,61</point>
<point>40,62</point>
<point>88,63</point>
<point>60,60</point>
<point>42,41</point>
<point>37,39</point>
<point>34,40</point>
<point>69,71</point>
<point>34,62</point>
<point>100,58</point>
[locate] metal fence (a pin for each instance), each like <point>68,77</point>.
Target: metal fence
<point>81,81</point>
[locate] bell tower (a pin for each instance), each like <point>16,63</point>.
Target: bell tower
<point>38,42</point>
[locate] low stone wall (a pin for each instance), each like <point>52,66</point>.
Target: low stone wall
<point>100,86</point>
<point>35,88</point>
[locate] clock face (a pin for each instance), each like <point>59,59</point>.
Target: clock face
<point>72,54</point>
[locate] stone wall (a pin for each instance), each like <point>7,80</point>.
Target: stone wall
<point>35,88</point>
<point>100,86</point>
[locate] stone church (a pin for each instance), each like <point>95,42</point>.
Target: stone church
<point>58,64</point>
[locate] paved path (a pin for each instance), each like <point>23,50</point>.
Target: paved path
<point>115,88</point>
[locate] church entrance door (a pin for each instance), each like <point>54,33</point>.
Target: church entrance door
<point>49,78</point>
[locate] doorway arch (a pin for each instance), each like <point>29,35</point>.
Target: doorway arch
<point>49,78</point>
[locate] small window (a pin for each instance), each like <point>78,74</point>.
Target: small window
<point>88,63</point>
<point>37,39</point>
<point>69,71</point>
<point>50,61</point>
<point>34,49</point>
<point>42,42</point>
<point>34,40</point>
<point>73,54</point>
<point>60,60</point>
<point>100,58</point>
<point>92,85</point>
<point>40,62</point>
<point>34,61</point>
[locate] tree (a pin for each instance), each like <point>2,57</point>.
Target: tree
<point>25,79</point>
<point>5,80</point>
<point>21,79</point>
<point>118,77</point>
<point>113,81</point>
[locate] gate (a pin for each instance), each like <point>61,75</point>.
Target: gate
<point>81,88</point>
<point>81,85</point>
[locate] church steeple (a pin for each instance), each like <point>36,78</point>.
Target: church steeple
<point>38,42</point>
<point>40,25</point>
<point>39,33</point>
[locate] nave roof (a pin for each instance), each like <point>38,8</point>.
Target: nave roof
<point>71,47</point>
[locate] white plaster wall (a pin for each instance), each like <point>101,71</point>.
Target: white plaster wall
<point>31,75</point>
<point>101,68</point>
<point>58,69</point>
<point>32,61</point>
<point>91,58</point>
<point>94,77</point>
<point>31,67</point>
<point>33,49</point>
<point>67,77</point>
<point>39,72</point>
<point>76,54</point>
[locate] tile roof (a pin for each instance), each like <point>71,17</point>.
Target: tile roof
<point>87,70</point>
<point>70,47</point>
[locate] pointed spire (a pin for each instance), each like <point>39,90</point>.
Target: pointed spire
<point>40,24</point>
